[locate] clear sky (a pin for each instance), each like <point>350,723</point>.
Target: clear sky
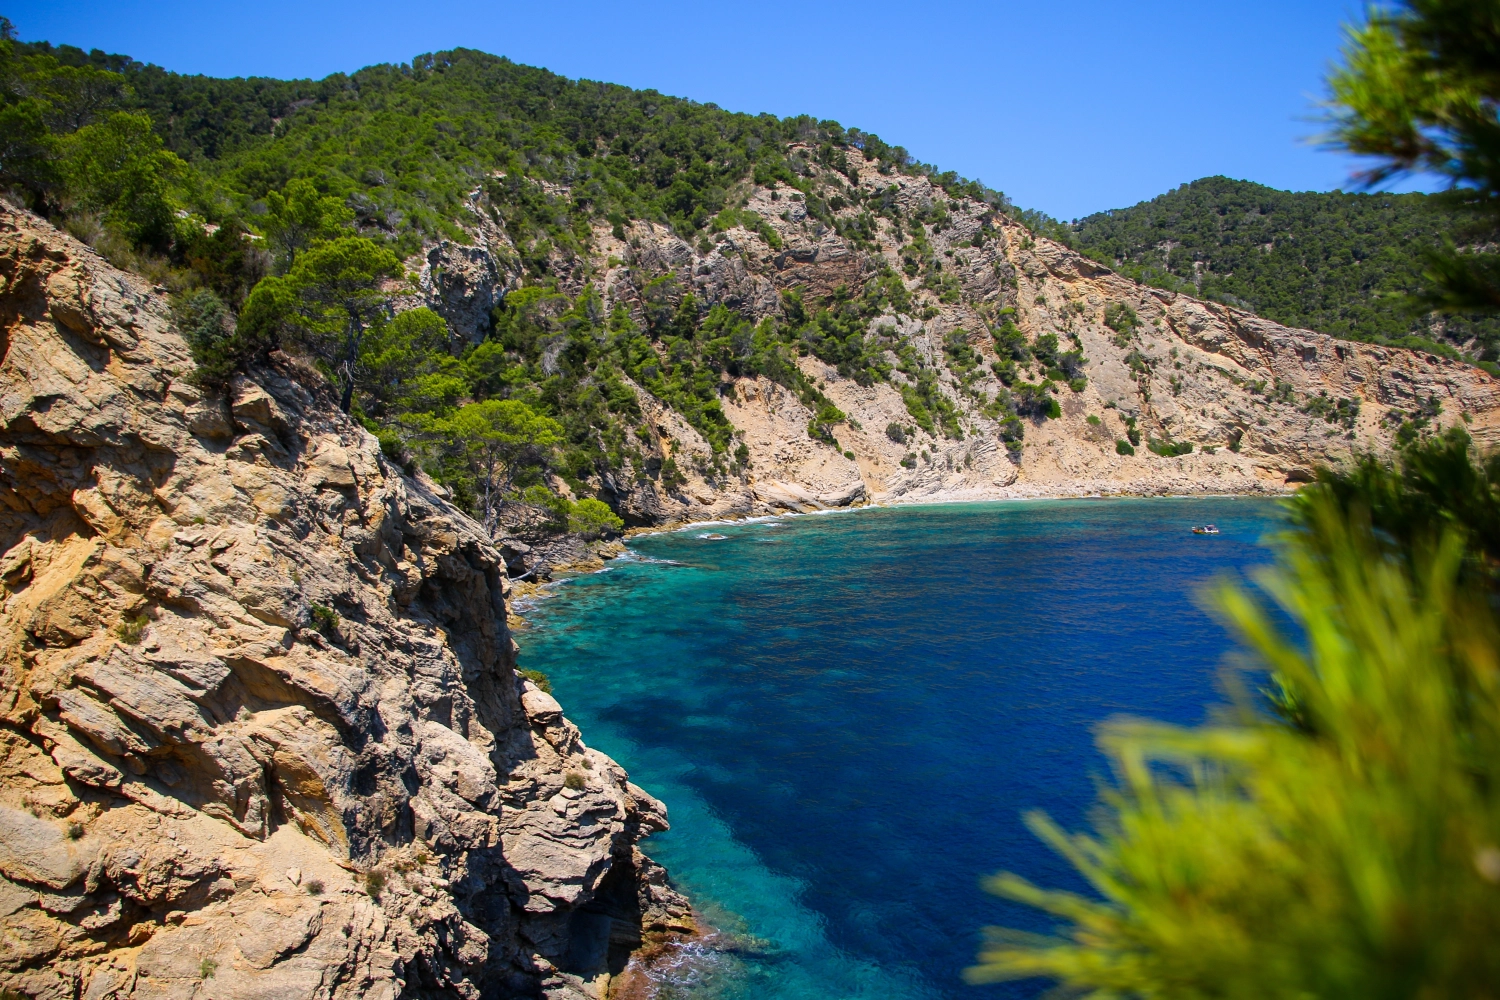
<point>1069,106</point>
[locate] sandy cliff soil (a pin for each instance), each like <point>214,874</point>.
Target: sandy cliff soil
<point>260,728</point>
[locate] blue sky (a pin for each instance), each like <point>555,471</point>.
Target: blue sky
<point>1069,107</point>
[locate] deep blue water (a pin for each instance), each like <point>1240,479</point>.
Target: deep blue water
<point>847,714</point>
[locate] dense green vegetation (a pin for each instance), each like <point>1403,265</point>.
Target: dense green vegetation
<point>278,213</point>
<point>407,147</point>
<point>1338,263</point>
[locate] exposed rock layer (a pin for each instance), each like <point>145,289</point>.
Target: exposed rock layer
<point>1249,394</point>
<point>262,734</point>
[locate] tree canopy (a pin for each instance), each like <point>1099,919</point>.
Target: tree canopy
<point>326,303</point>
<point>496,439</point>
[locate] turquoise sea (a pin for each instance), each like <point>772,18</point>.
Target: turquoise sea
<point>847,714</point>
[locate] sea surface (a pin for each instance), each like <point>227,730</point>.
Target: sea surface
<point>847,715</point>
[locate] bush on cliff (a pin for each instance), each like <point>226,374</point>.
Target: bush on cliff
<point>488,448</point>
<point>325,304</point>
<point>1169,449</point>
<point>593,517</point>
<point>120,168</point>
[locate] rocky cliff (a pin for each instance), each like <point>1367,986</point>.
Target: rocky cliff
<point>262,730</point>
<point>262,734</point>
<point>1261,404</point>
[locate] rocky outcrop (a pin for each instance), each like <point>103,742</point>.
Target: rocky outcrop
<point>463,282</point>
<point>1261,404</point>
<point>260,728</point>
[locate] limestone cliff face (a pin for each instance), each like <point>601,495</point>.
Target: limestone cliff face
<point>1250,395</point>
<point>260,728</point>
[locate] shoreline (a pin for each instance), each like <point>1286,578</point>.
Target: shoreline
<point>533,593</point>
<point>669,527</point>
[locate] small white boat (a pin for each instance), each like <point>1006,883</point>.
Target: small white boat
<point>1205,529</point>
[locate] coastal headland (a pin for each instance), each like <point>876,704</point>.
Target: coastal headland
<point>262,731</point>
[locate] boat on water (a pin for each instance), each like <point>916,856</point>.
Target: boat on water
<point>1205,529</point>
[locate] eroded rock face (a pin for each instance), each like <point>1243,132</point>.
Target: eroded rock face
<point>262,732</point>
<point>1263,405</point>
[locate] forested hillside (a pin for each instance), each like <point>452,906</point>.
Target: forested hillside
<point>407,144</point>
<point>573,303</point>
<point>212,185</point>
<point>1338,263</point>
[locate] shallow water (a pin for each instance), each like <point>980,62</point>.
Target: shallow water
<point>847,714</point>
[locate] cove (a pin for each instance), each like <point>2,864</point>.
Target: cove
<point>848,714</point>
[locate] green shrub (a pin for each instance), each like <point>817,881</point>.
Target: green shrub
<point>575,781</point>
<point>1169,449</point>
<point>375,883</point>
<point>131,628</point>
<point>916,408</point>
<point>1119,317</point>
<point>119,166</point>
<point>1333,411</point>
<point>541,680</point>
<point>324,618</point>
<point>820,427</point>
<point>1005,370</point>
<point>961,356</point>
<point>1093,420</point>
<point>204,322</point>
<point>895,433</point>
<point>1123,447</point>
<point>557,506</point>
<point>392,446</point>
<point>314,887</point>
<point>1012,430</point>
<point>1010,342</point>
<point>593,517</point>
<point>207,968</point>
<point>671,475</point>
